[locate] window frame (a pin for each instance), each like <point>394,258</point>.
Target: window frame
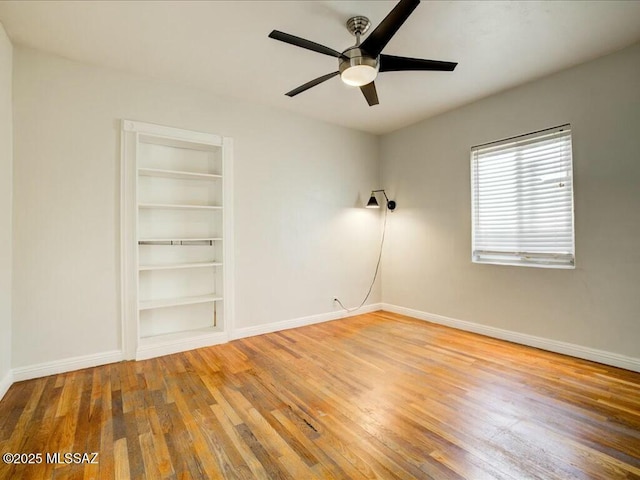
<point>556,260</point>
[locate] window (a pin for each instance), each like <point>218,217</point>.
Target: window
<point>522,200</point>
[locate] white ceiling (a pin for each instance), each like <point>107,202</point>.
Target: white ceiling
<point>223,47</point>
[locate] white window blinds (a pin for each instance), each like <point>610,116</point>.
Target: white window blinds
<point>522,194</point>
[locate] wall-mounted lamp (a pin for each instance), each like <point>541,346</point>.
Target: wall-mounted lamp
<point>373,202</point>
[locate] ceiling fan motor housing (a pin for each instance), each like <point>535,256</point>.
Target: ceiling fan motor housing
<point>355,56</point>
<point>356,59</point>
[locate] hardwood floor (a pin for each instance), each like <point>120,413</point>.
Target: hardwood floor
<point>374,396</point>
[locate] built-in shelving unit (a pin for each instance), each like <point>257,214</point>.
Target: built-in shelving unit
<point>177,239</point>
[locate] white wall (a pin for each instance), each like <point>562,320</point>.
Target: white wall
<point>301,233</point>
<point>427,263</point>
<point>6,174</point>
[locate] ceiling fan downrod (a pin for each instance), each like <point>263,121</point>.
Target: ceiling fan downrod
<point>358,26</point>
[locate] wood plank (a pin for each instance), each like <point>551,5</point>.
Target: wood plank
<point>121,459</point>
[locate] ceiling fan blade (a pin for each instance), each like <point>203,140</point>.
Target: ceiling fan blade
<point>379,38</point>
<point>370,93</point>
<point>310,84</point>
<point>391,63</point>
<point>301,42</point>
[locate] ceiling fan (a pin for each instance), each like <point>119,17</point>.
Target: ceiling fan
<point>359,65</point>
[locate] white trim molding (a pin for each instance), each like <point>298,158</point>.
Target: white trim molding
<point>301,322</point>
<point>175,343</point>
<point>5,383</point>
<point>171,133</point>
<point>66,365</point>
<point>228,243</point>
<point>565,348</point>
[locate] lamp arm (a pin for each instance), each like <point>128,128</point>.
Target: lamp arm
<point>381,190</point>
<point>391,205</point>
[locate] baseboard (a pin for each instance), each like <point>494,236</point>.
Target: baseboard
<point>175,344</point>
<point>66,365</point>
<point>565,348</point>
<point>301,322</point>
<point>6,383</point>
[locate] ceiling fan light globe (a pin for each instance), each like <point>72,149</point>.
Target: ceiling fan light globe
<point>359,75</point>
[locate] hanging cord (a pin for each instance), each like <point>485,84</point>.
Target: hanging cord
<point>375,275</point>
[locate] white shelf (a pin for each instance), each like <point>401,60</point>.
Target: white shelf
<point>179,207</point>
<point>174,302</point>
<point>157,172</point>
<point>168,343</point>
<point>183,335</point>
<point>179,265</point>
<point>165,240</point>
